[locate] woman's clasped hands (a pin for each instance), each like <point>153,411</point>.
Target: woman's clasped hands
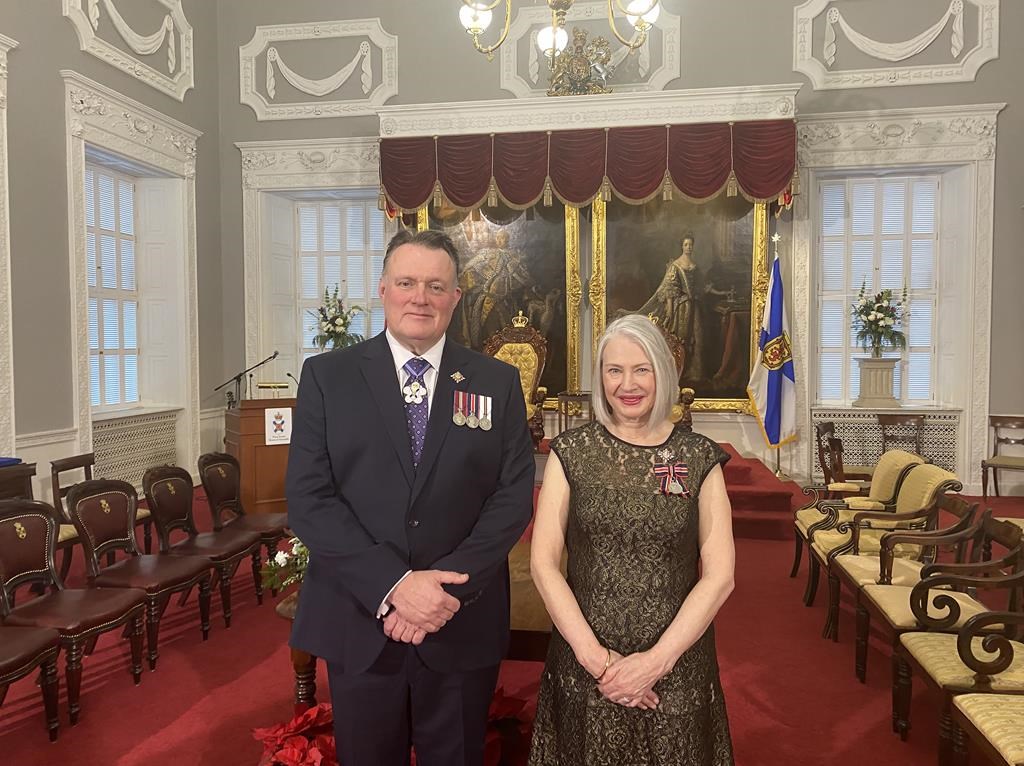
<point>629,680</point>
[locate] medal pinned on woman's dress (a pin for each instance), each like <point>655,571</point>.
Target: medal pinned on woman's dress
<point>671,474</point>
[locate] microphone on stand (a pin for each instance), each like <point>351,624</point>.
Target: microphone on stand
<point>251,374</point>
<point>295,379</point>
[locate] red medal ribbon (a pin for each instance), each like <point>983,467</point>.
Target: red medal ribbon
<point>666,472</point>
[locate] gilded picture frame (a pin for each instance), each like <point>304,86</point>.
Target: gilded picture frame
<point>729,313</point>
<point>551,299</point>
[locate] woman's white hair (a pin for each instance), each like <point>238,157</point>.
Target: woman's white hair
<point>645,334</point>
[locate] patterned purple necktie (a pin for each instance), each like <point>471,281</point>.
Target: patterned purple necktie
<point>415,394</point>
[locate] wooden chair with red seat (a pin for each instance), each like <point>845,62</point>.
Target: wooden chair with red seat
<point>85,463</point>
<point>28,533</point>
<point>222,481</point>
<point>169,493</point>
<point>22,650</point>
<point>103,512</point>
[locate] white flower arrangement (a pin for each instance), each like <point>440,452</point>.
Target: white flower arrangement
<point>878,320</point>
<point>286,567</point>
<point>332,321</point>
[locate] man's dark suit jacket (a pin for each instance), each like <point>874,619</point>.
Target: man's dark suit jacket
<point>367,516</point>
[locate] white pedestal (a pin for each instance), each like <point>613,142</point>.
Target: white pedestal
<point>876,383</point>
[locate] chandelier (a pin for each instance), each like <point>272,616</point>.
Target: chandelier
<point>476,16</point>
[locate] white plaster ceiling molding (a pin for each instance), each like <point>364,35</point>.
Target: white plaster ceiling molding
<point>96,115</point>
<point>261,62</point>
<point>524,69</point>
<point>815,46</point>
<point>6,340</point>
<point>173,76</point>
<point>676,107</point>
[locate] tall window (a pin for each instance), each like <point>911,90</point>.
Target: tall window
<point>341,243</point>
<point>113,288</point>
<point>880,233</point>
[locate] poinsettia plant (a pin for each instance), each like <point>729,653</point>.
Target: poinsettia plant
<point>878,320</point>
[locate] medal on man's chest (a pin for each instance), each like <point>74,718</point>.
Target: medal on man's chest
<point>414,392</point>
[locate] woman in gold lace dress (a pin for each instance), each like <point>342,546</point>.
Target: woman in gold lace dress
<point>631,677</point>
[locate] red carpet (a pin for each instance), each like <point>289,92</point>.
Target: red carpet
<point>792,697</point>
<point>762,505</point>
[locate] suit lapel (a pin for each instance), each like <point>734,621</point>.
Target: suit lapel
<point>440,413</point>
<point>379,370</point>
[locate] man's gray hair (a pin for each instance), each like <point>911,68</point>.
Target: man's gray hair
<point>435,240</point>
<point>645,334</point>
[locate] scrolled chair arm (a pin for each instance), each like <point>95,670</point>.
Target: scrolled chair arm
<point>993,643</point>
<point>919,596</point>
<point>974,567</point>
<point>862,520</point>
<point>814,492</point>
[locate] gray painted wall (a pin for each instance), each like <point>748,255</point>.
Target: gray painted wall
<point>38,192</point>
<point>723,43</point>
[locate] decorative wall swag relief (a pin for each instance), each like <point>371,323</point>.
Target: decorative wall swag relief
<point>375,58</point>
<point>657,62</point>
<point>174,77</point>
<point>967,52</point>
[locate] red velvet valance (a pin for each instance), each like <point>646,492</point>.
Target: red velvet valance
<point>755,159</point>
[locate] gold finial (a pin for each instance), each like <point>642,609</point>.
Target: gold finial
<point>104,505</point>
<point>519,321</point>
<point>655,319</point>
<point>19,530</point>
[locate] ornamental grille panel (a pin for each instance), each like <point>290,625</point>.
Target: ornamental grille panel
<point>126,447</point>
<point>862,436</point>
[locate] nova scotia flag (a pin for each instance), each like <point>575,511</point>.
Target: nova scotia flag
<point>772,387</point>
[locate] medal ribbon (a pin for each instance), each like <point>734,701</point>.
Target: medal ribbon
<point>667,472</point>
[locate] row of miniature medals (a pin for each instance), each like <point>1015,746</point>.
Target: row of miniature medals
<point>473,410</point>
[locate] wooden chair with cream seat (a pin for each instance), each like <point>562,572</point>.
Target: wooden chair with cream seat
<point>916,507</point>
<point>902,430</point>
<point>1001,462</point>
<point>525,349</point>
<point>823,514</point>
<point>890,602</point>
<point>985,656</point>
<point>993,723</point>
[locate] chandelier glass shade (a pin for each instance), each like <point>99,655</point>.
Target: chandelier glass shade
<point>476,17</point>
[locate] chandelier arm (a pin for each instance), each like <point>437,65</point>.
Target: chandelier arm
<point>490,49</point>
<point>477,5</point>
<point>641,30</point>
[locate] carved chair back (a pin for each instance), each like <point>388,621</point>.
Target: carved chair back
<point>28,536</point>
<point>902,428</point>
<point>169,491</point>
<point>526,349</point>
<point>222,482</point>
<point>823,431</point>
<point>103,511</point>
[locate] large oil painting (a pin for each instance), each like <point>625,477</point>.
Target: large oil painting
<point>512,261</point>
<point>694,268</point>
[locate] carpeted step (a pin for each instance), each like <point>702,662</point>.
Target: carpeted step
<point>762,525</point>
<point>760,499</point>
<point>737,472</point>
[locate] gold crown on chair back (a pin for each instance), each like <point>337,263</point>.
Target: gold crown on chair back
<point>519,321</point>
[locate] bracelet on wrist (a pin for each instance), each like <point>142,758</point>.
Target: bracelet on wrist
<point>607,664</point>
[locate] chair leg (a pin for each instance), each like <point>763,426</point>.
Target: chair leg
<point>271,546</point>
<point>831,629</point>
<point>147,535</point>
<point>959,755</point>
<point>90,645</point>
<point>49,680</point>
<point>901,698</point>
<point>153,612</point>
<point>984,482</point>
<point>73,674</point>
<point>256,578</point>
<point>3,692</point>
<point>135,639</point>
<point>225,592</point>
<point>204,607</point>
<point>798,552</point>
<point>860,664</point>
<point>813,570</point>
<point>995,480</point>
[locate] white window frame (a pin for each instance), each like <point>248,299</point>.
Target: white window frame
<point>121,296</point>
<point>846,295</point>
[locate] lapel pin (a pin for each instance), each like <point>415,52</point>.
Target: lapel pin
<point>458,377</point>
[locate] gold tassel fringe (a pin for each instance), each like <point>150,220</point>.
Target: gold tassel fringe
<point>547,192</point>
<point>733,188</point>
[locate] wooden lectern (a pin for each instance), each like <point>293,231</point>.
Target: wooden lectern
<point>262,465</point>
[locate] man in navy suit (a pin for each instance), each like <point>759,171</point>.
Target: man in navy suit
<point>410,478</point>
